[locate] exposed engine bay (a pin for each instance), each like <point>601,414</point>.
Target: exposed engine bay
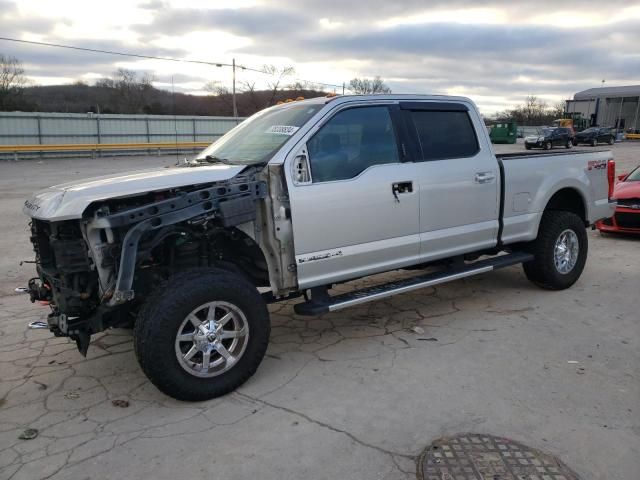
<point>93,272</point>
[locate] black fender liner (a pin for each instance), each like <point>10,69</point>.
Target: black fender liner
<point>233,203</point>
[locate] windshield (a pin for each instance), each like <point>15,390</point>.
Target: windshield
<point>589,130</point>
<point>634,176</point>
<point>259,137</point>
<point>546,131</point>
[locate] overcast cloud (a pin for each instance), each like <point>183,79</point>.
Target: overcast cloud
<point>495,52</point>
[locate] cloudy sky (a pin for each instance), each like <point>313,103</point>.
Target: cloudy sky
<point>495,52</point>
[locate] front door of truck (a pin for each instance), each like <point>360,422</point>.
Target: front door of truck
<point>357,213</point>
<point>458,179</point>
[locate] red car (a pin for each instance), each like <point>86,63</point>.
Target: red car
<point>627,216</point>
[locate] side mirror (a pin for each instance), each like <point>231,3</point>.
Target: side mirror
<point>622,176</point>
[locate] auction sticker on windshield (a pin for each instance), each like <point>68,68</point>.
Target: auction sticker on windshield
<point>282,129</point>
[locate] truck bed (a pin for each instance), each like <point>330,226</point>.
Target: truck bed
<point>527,186</point>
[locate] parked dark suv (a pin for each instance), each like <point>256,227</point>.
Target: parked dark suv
<point>595,135</point>
<point>548,138</point>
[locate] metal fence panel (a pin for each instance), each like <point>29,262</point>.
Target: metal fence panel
<point>39,128</point>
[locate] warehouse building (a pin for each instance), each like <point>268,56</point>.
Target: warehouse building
<point>616,107</point>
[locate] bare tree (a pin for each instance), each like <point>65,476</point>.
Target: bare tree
<point>366,86</point>
<point>558,110</point>
<point>278,75</point>
<point>534,109</point>
<point>305,87</point>
<point>221,93</point>
<point>249,90</point>
<point>215,88</point>
<point>12,82</point>
<point>130,90</point>
<point>532,112</point>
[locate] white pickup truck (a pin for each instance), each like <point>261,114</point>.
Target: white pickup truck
<point>294,200</point>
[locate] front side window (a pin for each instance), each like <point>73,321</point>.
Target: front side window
<point>445,134</point>
<point>352,141</point>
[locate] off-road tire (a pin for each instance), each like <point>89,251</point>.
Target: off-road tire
<point>162,313</point>
<point>542,270</point>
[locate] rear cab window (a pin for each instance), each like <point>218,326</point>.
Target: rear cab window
<point>444,131</point>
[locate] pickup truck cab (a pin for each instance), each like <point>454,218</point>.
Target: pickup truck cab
<point>296,199</point>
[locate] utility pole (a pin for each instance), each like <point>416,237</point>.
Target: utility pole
<point>235,107</point>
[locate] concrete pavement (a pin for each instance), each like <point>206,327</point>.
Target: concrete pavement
<point>355,394</point>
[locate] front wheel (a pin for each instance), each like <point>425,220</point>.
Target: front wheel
<point>611,140</point>
<point>548,145</point>
<point>569,144</point>
<point>560,251</point>
<point>594,142</point>
<point>202,335</point>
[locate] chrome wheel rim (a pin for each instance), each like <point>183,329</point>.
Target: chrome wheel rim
<point>211,339</point>
<point>566,250</point>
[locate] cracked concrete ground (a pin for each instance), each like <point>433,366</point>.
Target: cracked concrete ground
<point>355,394</point>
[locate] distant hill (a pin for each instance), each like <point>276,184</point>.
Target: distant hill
<point>81,98</point>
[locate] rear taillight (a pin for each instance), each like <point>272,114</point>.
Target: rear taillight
<point>611,176</point>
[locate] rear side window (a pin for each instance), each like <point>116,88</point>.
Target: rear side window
<point>445,134</point>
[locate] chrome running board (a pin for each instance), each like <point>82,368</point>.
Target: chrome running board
<point>326,303</point>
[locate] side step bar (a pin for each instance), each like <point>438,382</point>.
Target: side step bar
<point>327,303</point>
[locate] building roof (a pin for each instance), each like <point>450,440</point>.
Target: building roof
<point>623,91</point>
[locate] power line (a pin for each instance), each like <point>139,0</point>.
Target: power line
<point>126,54</point>
<point>153,57</point>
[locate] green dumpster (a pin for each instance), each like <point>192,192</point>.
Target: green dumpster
<point>504,132</point>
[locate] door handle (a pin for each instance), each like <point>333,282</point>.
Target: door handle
<point>485,177</point>
<point>400,188</point>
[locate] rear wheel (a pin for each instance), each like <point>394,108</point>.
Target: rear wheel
<point>548,145</point>
<point>594,142</point>
<point>569,144</point>
<point>611,140</point>
<point>527,146</point>
<point>560,251</point>
<point>202,335</point>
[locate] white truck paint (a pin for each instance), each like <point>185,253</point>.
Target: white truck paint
<point>297,198</point>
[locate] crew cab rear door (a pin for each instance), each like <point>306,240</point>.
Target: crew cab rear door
<point>357,213</point>
<point>458,178</point>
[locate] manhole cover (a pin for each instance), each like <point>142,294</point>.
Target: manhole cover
<point>483,457</point>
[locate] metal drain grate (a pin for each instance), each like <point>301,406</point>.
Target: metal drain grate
<point>484,457</point>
